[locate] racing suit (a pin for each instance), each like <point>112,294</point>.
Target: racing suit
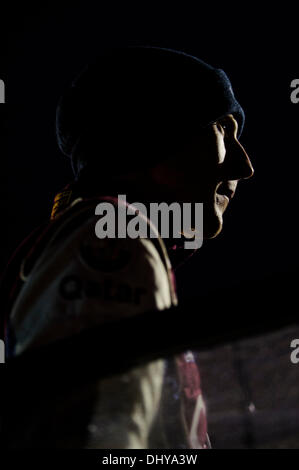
<point>68,281</point>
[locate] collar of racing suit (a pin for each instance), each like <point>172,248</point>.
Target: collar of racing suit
<point>79,190</point>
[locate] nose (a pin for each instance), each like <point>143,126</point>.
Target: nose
<point>237,164</point>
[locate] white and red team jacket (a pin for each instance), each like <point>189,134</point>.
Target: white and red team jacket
<point>67,281</point>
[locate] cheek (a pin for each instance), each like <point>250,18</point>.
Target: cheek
<point>220,149</point>
<point>210,156</point>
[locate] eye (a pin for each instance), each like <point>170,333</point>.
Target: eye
<point>227,127</point>
<point>222,127</point>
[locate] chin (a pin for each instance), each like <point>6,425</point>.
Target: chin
<point>212,223</point>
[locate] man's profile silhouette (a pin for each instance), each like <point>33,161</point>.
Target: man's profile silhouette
<point>156,125</point>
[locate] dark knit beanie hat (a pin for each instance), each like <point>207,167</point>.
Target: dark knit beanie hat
<point>137,105</point>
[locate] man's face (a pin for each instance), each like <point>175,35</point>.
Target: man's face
<point>207,170</point>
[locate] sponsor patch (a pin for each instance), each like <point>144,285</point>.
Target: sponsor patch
<point>74,288</point>
<point>105,255</point>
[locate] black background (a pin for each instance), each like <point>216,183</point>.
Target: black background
<point>253,263</point>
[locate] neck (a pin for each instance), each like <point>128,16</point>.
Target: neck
<point>91,183</point>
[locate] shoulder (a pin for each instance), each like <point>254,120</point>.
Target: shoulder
<point>80,280</point>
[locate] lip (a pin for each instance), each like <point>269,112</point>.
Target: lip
<point>228,193</point>
<point>222,199</point>
<point>225,191</point>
